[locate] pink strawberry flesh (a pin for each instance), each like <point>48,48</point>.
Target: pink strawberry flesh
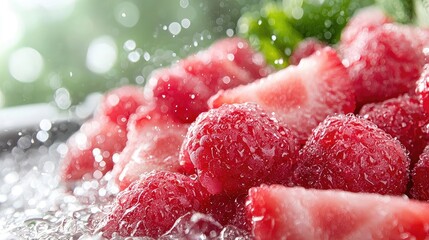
<point>151,204</point>
<point>279,212</point>
<point>154,144</point>
<point>300,96</point>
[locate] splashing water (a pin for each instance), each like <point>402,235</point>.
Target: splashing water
<point>35,205</point>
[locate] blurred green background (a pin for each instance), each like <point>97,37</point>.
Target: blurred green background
<point>59,51</point>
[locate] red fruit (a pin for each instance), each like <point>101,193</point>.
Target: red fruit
<point>242,54</point>
<point>420,177</point>
<point>301,96</point>
<point>120,103</point>
<point>91,149</point>
<point>383,63</point>
<point>422,89</point>
<point>353,154</point>
<point>364,21</point>
<point>178,94</point>
<point>279,212</point>
<point>305,49</point>
<point>239,146</point>
<point>154,144</point>
<point>182,90</point>
<point>404,119</point>
<point>229,211</point>
<point>151,205</point>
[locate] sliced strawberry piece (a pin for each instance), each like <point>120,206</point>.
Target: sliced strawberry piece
<point>154,144</point>
<point>279,212</point>
<point>384,63</point>
<point>305,49</point>
<point>239,51</point>
<point>365,20</point>
<point>120,103</point>
<point>422,89</point>
<point>353,154</point>
<point>151,205</point>
<point>403,118</point>
<point>301,96</point>
<point>91,149</point>
<point>238,146</point>
<point>420,177</point>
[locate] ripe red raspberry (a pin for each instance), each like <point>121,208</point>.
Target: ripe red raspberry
<point>420,177</point>
<point>383,63</point>
<point>151,205</point>
<point>404,119</point>
<point>422,89</point>
<point>229,211</point>
<point>353,154</point>
<point>238,146</point>
<point>305,49</point>
<point>120,103</point>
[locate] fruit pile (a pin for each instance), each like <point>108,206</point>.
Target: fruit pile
<point>322,149</point>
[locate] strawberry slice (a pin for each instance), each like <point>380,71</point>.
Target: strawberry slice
<point>301,96</point>
<point>154,144</point>
<point>91,149</point>
<point>279,212</point>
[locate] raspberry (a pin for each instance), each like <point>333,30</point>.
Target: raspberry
<point>353,154</point>
<point>151,205</point>
<point>229,211</point>
<point>120,103</point>
<point>238,146</point>
<point>383,63</point>
<point>404,119</point>
<point>422,89</point>
<point>420,177</point>
<point>305,49</point>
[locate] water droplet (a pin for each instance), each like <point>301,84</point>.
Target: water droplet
<point>184,3</point>
<point>134,56</point>
<point>229,32</point>
<point>127,14</point>
<point>130,45</point>
<point>186,23</point>
<point>174,28</point>
<point>101,54</point>
<point>62,98</point>
<point>146,56</point>
<point>26,65</point>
